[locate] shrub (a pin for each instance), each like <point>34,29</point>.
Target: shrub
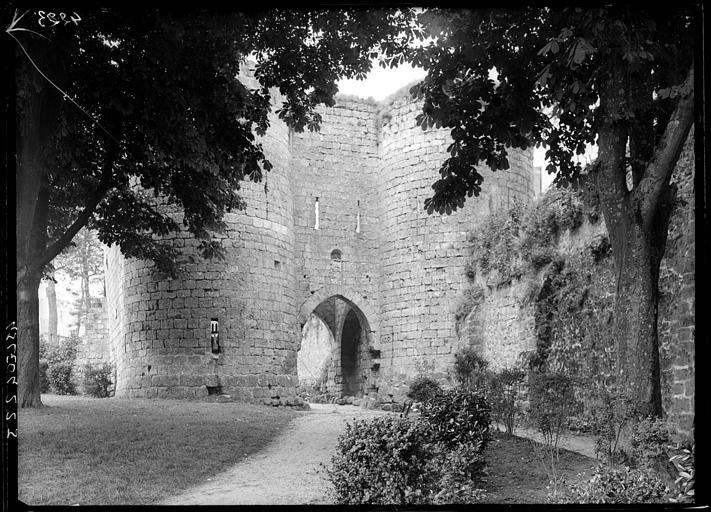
<point>380,462</point>
<point>495,246</point>
<point>540,226</point>
<point>470,368</point>
<point>552,402</point>
<point>455,476</point>
<point>619,485</point>
<point>44,381</point>
<point>504,390</point>
<point>437,459</point>
<point>458,417</point>
<point>612,409</point>
<point>60,362</point>
<point>98,380</point>
<point>423,388</point>
<point>650,437</point>
<point>684,464</point>
<point>589,196</point>
<point>59,376</point>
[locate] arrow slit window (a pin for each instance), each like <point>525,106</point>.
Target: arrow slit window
<point>316,214</point>
<point>215,336</point>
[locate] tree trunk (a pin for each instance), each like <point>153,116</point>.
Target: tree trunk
<point>635,327</point>
<point>28,341</point>
<point>38,108</point>
<point>637,222</point>
<point>635,320</point>
<point>52,310</point>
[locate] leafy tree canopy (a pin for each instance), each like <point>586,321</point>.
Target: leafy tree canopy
<point>519,78</point>
<point>152,99</point>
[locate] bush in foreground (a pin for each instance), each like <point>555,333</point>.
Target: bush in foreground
<point>617,485</point>
<point>458,417</point>
<point>454,476</point>
<point>552,403</point>
<point>380,462</point>
<point>435,459</point>
<point>60,362</point>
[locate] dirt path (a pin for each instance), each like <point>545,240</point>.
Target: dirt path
<point>287,471</point>
<point>584,445</point>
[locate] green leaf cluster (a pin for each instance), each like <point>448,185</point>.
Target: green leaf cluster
<point>457,417</point>
<point>435,459</point>
<point>618,485</point>
<point>97,380</point>
<point>381,461</point>
<point>519,78</point>
<point>58,359</point>
<point>423,388</point>
<point>470,368</point>
<point>168,106</point>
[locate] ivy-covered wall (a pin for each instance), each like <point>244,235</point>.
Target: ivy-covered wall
<point>542,288</point>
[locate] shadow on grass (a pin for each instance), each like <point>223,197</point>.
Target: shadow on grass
<point>88,451</point>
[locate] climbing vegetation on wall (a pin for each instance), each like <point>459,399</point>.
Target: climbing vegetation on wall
<point>509,245</point>
<point>570,292</point>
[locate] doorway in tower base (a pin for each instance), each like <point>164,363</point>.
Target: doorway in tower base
<point>334,356</point>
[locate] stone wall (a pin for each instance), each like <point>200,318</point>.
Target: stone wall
<point>93,348</point>
<point>677,304</point>
<point>337,165</point>
<point>337,258</point>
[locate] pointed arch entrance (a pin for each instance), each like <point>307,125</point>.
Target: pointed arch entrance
<point>350,369</point>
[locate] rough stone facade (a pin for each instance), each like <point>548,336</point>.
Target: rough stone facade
<point>677,300</point>
<point>337,229</point>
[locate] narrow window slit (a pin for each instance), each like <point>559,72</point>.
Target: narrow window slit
<point>316,213</point>
<point>215,336</point>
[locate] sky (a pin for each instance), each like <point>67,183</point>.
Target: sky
<point>381,83</point>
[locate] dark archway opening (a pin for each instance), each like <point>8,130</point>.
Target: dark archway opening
<point>347,370</point>
<point>350,343</point>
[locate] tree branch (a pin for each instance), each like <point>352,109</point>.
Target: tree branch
<point>99,193</point>
<point>659,171</point>
<point>57,247</point>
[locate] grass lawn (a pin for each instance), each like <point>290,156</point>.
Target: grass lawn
<point>133,451</point>
<point>516,475</point>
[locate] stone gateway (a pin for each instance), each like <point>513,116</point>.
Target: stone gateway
<point>337,229</point>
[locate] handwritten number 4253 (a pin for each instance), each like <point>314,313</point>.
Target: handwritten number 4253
<point>52,18</point>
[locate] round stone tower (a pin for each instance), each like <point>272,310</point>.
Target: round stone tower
<point>223,325</point>
<point>424,256</point>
